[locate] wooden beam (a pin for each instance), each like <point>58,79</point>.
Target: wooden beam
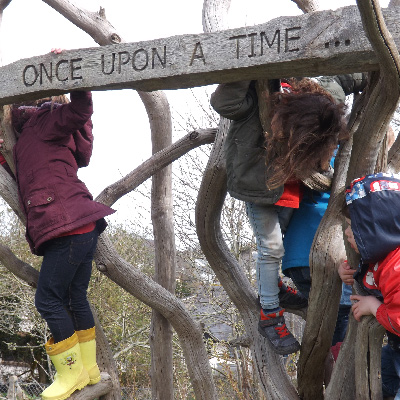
<point>319,43</point>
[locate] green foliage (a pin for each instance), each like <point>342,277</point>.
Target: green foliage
<point>21,328</point>
<point>125,320</point>
<point>182,289</point>
<point>132,247</point>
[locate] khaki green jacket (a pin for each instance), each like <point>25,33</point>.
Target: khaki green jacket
<point>245,152</point>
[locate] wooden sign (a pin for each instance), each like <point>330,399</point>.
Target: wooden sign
<point>320,43</point>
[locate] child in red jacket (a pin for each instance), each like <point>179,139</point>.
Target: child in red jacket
<point>373,230</point>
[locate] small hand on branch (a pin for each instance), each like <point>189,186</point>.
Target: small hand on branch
<point>364,305</point>
<point>346,273</point>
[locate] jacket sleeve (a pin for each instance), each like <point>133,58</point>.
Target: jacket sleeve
<point>83,139</point>
<point>352,83</point>
<point>61,122</point>
<point>340,86</point>
<point>388,314</point>
<point>389,317</point>
<point>234,100</point>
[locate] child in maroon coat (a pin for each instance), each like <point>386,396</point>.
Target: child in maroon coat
<point>63,223</point>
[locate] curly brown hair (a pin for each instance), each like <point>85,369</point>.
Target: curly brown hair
<point>306,127</point>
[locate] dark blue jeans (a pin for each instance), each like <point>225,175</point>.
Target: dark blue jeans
<point>63,281</point>
<point>302,279</point>
<point>390,372</point>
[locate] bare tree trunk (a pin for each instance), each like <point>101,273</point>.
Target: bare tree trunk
<point>326,251</point>
<point>8,135</point>
<point>164,246</point>
<point>367,142</point>
<point>158,161</point>
<point>326,254</point>
<point>3,5</point>
<point>342,383</point>
<point>368,359</point>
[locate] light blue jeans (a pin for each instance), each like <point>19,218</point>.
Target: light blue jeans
<point>268,224</point>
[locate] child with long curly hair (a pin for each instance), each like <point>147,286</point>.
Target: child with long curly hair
<point>266,169</point>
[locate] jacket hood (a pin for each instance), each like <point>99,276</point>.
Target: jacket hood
<point>374,206</point>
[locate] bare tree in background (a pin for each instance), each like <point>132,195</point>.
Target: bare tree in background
<point>368,124</point>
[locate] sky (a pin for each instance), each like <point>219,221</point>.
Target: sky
<point>122,134</point>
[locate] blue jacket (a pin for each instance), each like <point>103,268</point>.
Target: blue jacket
<point>302,227</point>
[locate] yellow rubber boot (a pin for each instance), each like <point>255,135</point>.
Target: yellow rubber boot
<point>87,343</point>
<point>66,357</point>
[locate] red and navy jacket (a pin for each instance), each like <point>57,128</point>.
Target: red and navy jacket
<point>374,206</point>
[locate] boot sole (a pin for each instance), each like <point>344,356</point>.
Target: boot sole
<point>94,378</point>
<point>93,381</point>
<point>78,386</point>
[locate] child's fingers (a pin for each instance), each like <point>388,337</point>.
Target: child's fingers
<point>354,309</point>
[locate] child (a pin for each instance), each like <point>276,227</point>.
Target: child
<point>265,172</point>
<point>373,231</point>
<point>62,225</point>
<point>297,242</point>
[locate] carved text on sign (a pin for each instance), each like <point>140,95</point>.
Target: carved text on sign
<point>62,71</point>
<point>248,43</point>
<point>138,60</point>
<point>118,62</point>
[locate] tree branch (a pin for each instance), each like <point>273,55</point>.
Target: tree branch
<point>155,296</point>
<point>93,23</point>
<point>158,161</point>
<point>18,267</point>
<point>94,391</point>
<point>307,6</point>
<point>159,113</point>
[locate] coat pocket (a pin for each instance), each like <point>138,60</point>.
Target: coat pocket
<point>39,198</point>
<point>43,211</point>
<point>249,169</point>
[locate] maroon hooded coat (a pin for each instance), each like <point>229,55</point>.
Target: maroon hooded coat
<point>53,144</point>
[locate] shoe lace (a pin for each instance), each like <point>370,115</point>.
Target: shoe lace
<point>282,330</point>
<point>285,288</point>
<point>290,290</point>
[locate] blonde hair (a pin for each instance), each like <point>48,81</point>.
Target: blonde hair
<point>60,99</point>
